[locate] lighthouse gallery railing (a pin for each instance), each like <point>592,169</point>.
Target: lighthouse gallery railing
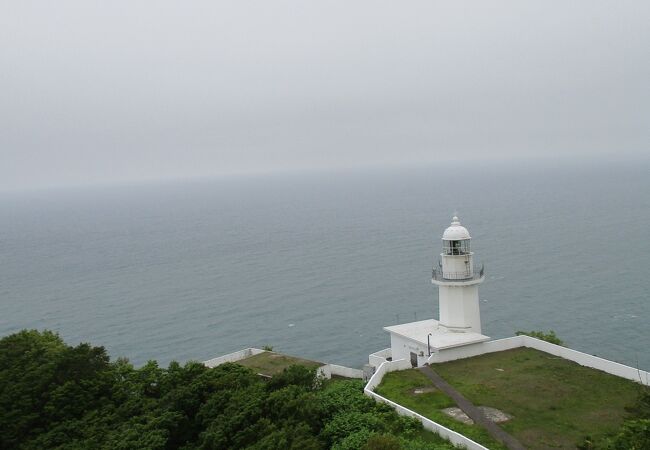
<point>439,275</point>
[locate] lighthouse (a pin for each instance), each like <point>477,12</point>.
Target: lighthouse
<point>457,281</point>
<point>458,329</point>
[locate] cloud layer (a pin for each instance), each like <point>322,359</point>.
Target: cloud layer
<point>110,91</point>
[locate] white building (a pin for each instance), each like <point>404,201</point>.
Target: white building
<point>460,317</point>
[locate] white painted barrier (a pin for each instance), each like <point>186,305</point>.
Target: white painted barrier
<point>325,371</point>
<point>333,369</point>
<point>402,364</point>
<point>384,368</point>
<point>468,351</point>
<point>584,359</point>
<point>233,357</point>
<point>375,359</point>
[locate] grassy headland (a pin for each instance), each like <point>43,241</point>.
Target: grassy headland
<point>554,403</point>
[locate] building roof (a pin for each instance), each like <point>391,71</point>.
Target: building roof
<point>455,232</point>
<point>440,338</point>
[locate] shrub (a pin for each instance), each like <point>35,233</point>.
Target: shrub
<point>548,337</point>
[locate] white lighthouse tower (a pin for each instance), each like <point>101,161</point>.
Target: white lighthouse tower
<point>458,281</point>
<point>460,318</point>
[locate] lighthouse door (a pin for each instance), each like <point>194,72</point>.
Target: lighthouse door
<point>414,359</point>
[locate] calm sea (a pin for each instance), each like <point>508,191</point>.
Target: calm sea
<point>316,264</point>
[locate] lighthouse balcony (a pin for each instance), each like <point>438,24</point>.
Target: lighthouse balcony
<point>438,276</point>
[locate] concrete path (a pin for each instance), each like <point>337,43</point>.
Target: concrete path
<point>472,411</point>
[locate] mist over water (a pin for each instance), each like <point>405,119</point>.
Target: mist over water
<point>315,264</point>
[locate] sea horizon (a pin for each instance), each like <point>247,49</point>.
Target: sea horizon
<point>315,263</point>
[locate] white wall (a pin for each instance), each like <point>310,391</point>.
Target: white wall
<point>468,351</point>
<point>375,359</point>
<point>459,307</point>
<point>584,359</point>
<point>384,368</point>
<point>391,366</point>
<point>402,347</point>
<point>233,357</point>
<point>455,266</point>
<point>326,370</point>
<point>332,369</point>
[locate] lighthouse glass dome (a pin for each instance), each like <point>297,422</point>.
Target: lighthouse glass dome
<point>456,247</point>
<point>455,239</point>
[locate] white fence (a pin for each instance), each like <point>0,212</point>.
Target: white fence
<point>584,359</point>
<point>468,351</point>
<point>326,370</point>
<point>233,357</point>
<point>621,370</point>
<point>332,369</point>
<point>375,359</point>
<point>402,364</point>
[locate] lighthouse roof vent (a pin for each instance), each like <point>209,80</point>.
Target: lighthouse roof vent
<point>455,232</point>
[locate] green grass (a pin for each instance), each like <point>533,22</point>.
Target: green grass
<point>554,402</point>
<point>399,387</point>
<point>271,363</point>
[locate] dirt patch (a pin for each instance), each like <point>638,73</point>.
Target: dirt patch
<point>458,414</point>
<point>423,390</point>
<point>493,414</point>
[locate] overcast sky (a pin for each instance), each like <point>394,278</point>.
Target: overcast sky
<point>108,91</point>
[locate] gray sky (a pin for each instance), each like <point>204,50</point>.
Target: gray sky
<point>107,91</point>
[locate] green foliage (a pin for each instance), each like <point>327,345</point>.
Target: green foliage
<point>634,435</point>
<point>337,397</point>
<point>294,375</point>
<point>268,348</point>
<point>382,442</point>
<point>57,396</point>
<point>346,423</point>
<point>43,381</point>
<point>541,335</point>
<point>354,440</point>
<point>641,409</point>
<point>587,443</point>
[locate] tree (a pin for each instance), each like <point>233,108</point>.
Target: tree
<point>53,395</point>
<point>43,382</point>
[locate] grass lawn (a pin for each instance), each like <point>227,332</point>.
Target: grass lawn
<point>554,402</point>
<point>271,363</point>
<point>400,386</point>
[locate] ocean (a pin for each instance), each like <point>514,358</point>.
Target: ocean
<point>316,263</point>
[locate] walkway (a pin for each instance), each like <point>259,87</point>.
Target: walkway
<point>472,411</point>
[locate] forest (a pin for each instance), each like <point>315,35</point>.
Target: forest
<point>54,395</point>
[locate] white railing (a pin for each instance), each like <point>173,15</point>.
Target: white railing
<point>402,364</point>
